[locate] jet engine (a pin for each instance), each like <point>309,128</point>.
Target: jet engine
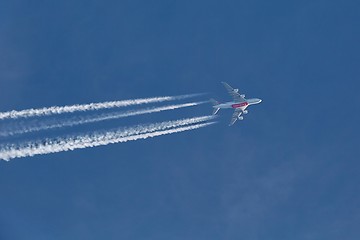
<point>242,95</point>
<point>240,117</point>
<point>245,112</point>
<point>236,90</point>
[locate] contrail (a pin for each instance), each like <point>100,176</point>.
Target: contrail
<point>102,138</point>
<point>92,119</point>
<point>88,107</point>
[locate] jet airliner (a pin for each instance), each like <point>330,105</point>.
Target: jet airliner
<point>239,103</point>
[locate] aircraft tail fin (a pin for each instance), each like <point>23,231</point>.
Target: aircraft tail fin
<point>214,103</point>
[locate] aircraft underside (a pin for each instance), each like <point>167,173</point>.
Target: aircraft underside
<point>239,104</point>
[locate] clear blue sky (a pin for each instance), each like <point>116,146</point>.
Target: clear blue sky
<point>290,170</point>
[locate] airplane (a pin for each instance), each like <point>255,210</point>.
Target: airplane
<point>239,103</point>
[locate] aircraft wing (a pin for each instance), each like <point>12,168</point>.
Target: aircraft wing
<point>235,95</point>
<point>235,116</point>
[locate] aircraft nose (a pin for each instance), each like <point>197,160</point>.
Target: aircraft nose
<point>260,100</point>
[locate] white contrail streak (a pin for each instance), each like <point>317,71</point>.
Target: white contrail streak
<point>88,107</point>
<point>92,119</point>
<point>102,138</point>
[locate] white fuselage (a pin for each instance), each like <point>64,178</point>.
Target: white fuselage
<point>241,105</point>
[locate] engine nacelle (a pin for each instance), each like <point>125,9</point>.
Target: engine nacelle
<point>242,95</point>
<point>240,117</point>
<point>245,112</point>
<point>236,90</point>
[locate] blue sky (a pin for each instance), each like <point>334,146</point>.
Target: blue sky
<point>289,170</point>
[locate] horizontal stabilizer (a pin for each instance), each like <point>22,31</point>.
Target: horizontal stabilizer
<point>216,110</point>
<point>214,102</point>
